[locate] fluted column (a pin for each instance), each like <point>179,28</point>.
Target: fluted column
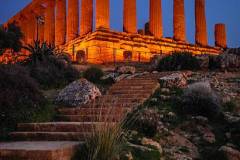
<point>41,32</point>
<point>86,25</point>
<point>102,14</point>
<point>220,36</point>
<point>155,23</point>
<point>60,27</point>
<point>72,19</point>
<point>200,22</point>
<point>129,16</point>
<point>49,26</point>
<point>179,20</point>
<point>31,29</point>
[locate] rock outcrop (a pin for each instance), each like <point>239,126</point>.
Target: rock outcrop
<point>77,93</point>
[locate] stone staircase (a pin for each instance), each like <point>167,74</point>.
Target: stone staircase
<point>75,124</point>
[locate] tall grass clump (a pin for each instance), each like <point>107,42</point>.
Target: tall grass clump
<point>106,140</point>
<point>200,99</point>
<point>178,61</point>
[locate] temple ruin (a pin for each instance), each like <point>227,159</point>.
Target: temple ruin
<point>70,27</point>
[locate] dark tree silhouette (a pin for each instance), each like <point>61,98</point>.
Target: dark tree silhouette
<point>10,38</point>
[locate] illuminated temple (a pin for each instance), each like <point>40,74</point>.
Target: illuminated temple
<point>69,25</point>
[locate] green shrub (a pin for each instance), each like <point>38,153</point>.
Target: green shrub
<point>200,99</point>
<point>93,74</point>
<point>49,68</point>
<point>178,61</point>
<point>230,106</point>
<point>147,122</point>
<point>20,98</point>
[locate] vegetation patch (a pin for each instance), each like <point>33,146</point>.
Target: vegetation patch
<point>20,99</point>
<point>50,68</point>
<point>179,61</point>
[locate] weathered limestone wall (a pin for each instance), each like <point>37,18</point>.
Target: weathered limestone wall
<point>220,36</point>
<point>201,24</point>
<point>49,26</point>
<point>60,26</point>
<point>86,25</point>
<point>102,14</point>
<point>129,16</point>
<point>155,22</point>
<point>72,19</point>
<point>179,21</point>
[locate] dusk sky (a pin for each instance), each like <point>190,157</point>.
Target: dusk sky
<point>217,11</point>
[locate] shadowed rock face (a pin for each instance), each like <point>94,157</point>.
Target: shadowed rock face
<point>179,20</point>
<point>102,14</point>
<point>155,23</point>
<point>220,36</point>
<point>72,20</point>
<point>130,16</point>
<point>200,22</point>
<point>86,23</point>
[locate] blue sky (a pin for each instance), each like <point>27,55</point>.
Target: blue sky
<point>217,11</point>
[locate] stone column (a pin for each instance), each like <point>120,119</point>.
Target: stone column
<point>179,20</point>
<point>155,23</point>
<point>86,25</point>
<point>31,29</point>
<point>72,19</point>
<point>49,26</point>
<point>60,26</point>
<point>201,37</point>
<point>41,32</point>
<point>220,36</point>
<point>129,16</point>
<point>102,14</point>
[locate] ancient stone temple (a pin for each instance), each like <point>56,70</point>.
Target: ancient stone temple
<point>69,24</point>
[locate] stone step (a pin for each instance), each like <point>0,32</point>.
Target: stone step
<point>134,84</point>
<point>92,111</point>
<point>133,87</point>
<point>90,118</point>
<point>44,150</point>
<point>111,104</point>
<point>127,96</point>
<point>123,91</point>
<point>49,136</point>
<point>118,100</point>
<point>137,80</point>
<point>60,126</point>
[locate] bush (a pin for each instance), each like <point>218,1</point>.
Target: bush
<point>229,106</point>
<point>93,74</point>
<point>49,68</point>
<point>20,98</point>
<point>200,99</point>
<point>147,122</point>
<point>178,61</point>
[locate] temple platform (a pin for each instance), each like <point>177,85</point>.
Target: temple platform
<point>103,46</point>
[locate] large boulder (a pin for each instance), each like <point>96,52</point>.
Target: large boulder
<point>175,80</point>
<point>77,93</point>
<point>230,153</point>
<point>126,70</point>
